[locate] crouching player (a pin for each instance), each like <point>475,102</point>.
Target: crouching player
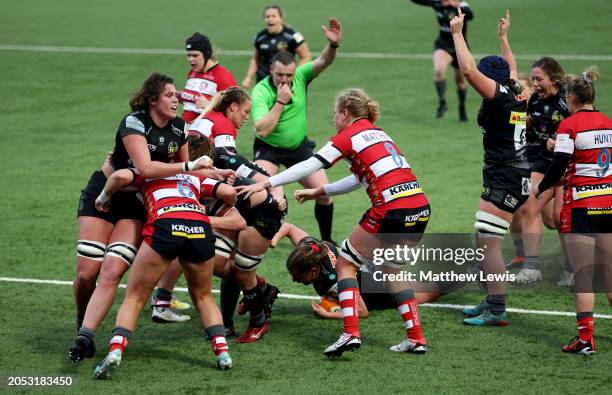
<point>314,262</point>
<point>177,226</point>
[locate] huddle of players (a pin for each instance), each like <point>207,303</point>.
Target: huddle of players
<point>502,117</point>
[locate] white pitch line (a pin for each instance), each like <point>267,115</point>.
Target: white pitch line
<point>350,55</point>
<point>306,297</point>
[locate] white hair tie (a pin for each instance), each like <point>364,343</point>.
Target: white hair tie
<point>586,78</point>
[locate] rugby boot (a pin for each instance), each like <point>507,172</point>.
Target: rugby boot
<point>516,263</point>
<point>224,361</point>
<point>81,348</point>
<point>528,276</point>
<point>411,346</point>
<point>566,279</point>
<point>177,305</point>
<point>487,318</point>
<point>105,368</point>
<point>253,333</point>
<point>441,110</point>
<point>462,114</point>
<point>163,315</point>
<point>476,310</point>
<point>346,342</point>
<point>579,346</point>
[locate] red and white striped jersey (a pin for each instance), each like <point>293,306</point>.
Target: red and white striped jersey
<point>218,128</point>
<point>587,136</point>
<point>206,84</point>
<point>377,162</point>
<point>176,197</point>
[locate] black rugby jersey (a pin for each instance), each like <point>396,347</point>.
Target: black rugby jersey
<point>164,143</point>
<point>546,114</point>
<point>444,15</point>
<point>503,121</point>
<point>269,44</point>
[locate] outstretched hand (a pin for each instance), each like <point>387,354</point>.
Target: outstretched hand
<point>504,24</point>
<point>301,195</point>
<point>456,24</point>
<point>248,190</point>
<point>333,33</point>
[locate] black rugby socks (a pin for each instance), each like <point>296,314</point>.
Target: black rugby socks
<point>324,216</point>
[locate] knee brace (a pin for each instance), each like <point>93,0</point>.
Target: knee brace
<point>90,249</point>
<point>123,251</point>
<point>489,225</point>
<point>223,245</point>
<point>245,262</point>
<point>348,252</point>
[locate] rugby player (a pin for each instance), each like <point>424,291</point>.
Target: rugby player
<point>583,147</point>
<point>177,226</point>
<point>506,182</point>
<point>444,52</point>
<point>268,42</point>
<point>205,78</point>
<point>399,206</point>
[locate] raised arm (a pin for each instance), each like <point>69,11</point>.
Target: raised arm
<point>253,64</point>
<point>504,45</point>
<point>483,84</point>
<point>333,36</point>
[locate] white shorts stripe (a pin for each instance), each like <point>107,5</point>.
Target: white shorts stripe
<point>345,295</point>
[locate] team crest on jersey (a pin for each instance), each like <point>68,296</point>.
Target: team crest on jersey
<point>557,117</point>
<point>282,46</point>
<point>173,148</point>
<point>518,118</point>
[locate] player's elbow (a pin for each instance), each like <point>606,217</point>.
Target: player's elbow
<point>261,129</point>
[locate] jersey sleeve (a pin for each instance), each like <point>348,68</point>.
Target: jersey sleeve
<point>261,102</point>
<point>297,39</point>
<point>305,73</point>
<point>336,148</point>
<point>243,167</point>
<point>208,188</point>
<point>501,92</point>
<point>467,11</point>
<point>565,138</point>
<point>132,124</point>
<point>203,126</point>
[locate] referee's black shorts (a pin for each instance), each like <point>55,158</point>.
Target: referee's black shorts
<point>279,156</point>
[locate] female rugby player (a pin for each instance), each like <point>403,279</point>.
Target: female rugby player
<point>148,138</point>
<point>545,111</point>
<point>444,52</point>
<point>583,147</point>
<point>506,187</point>
<point>399,206</point>
<point>205,78</point>
<point>268,42</point>
<point>177,226</point>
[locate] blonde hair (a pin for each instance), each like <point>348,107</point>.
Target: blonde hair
<point>223,99</point>
<point>358,104</point>
<point>582,87</point>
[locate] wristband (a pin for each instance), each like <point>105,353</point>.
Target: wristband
<point>280,102</point>
<point>334,46</point>
<point>186,166</point>
<point>103,197</point>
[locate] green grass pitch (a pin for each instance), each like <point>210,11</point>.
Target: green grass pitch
<point>60,111</point>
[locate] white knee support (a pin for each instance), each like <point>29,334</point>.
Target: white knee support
<point>224,246</point>
<point>90,249</point>
<point>489,225</point>
<point>123,251</point>
<point>245,262</point>
<point>348,252</point>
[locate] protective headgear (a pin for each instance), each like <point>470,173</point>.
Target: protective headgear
<point>496,68</point>
<point>199,42</point>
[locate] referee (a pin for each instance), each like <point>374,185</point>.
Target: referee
<point>279,114</point>
<point>444,51</point>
